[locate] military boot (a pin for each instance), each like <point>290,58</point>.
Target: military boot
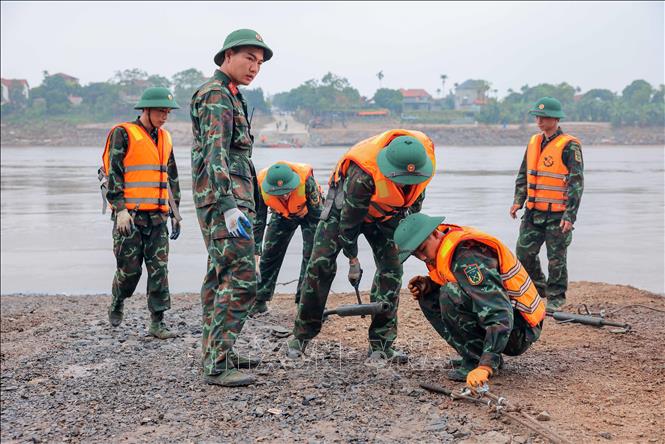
<point>115,315</point>
<point>159,329</point>
<point>240,361</point>
<point>230,378</point>
<point>390,354</point>
<point>463,367</point>
<point>295,348</point>
<point>258,308</point>
<point>555,302</point>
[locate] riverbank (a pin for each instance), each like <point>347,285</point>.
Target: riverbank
<point>69,377</point>
<point>94,134</point>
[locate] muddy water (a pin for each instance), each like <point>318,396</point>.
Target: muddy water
<point>55,239</point>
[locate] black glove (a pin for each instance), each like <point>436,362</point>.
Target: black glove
<point>175,229</point>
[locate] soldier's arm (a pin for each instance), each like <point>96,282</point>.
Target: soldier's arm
<point>215,113</point>
<point>259,227</point>
<point>174,183</point>
<point>314,197</point>
<point>418,204</point>
<point>358,189</point>
<point>520,184</point>
<point>476,269</point>
<point>572,158</point>
<point>117,152</point>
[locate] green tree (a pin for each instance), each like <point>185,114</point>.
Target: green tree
<point>157,80</point>
<point>55,91</point>
<point>184,84</point>
<point>255,100</point>
<point>389,98</point>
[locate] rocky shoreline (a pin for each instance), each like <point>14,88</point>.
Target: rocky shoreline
<point>89,135</point>
<point>67,376</point>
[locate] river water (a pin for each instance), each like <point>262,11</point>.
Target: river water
<point>55,239</point>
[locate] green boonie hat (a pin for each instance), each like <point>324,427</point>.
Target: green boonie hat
<point>243,37</point>
<point>280,179</point>
<point>547,107</point>
<point>157,97</point>
<point>404,160</point>
<point>412,231</point>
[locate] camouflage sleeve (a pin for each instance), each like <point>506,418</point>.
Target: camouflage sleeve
<point>358,189</point>
<point>572,158</point>
<point>418,204</point>
<point>520,184</point>
<point>259,227</point>
<point>174,183</point>
<point>476,269</point>
<point>117,151</point>
<point>215,115</point>
<point>314,198</point>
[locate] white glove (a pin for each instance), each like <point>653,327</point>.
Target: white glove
<point>237,223</point>
<point>124,222</point>
<point>257,261</point>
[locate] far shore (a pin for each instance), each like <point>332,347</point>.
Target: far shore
<point>54,134</point>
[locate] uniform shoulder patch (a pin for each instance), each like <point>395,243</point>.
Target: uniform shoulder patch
<point>473,274</point>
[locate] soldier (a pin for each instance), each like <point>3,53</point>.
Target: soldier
<point>551,180</point>
<point>294,197</point>
<point>477,296</point>
<point>375,184</point>
<point>225,195</point>
<point>141,176</point>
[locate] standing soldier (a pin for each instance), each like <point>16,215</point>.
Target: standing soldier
<point>375,184</point>
<point>291,192</point>
<point>225,194</point>
<point>551,180</point>
<point>140,173</point>
<point>477,296</point>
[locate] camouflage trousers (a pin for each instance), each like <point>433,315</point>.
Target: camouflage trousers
<point>146,243</point>
<point>457,323</point>
<point>537,228</point>
<point>278,236</point>
<point>228,290</point>
<point>321,271</point>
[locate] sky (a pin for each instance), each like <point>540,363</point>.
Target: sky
<point>510,44</point>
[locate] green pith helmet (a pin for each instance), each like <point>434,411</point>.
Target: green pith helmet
<point>412,231</point>
<point>405,161</point>
<point>280,179</point>
<point>157,97</point>
<point>547,107</point>
<point>243,37</point>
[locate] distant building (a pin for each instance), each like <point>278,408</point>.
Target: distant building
<point>471,95</point>
<point>11,87</point>
<point>415,100</point>
<point>69,80</point>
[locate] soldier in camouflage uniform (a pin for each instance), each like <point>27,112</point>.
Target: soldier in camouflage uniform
<point>294,201</point>
<point>404,165</point>
<point>225,194</point>
<point>472,294</point>
<point>139,231</point>
<point>551,207</point>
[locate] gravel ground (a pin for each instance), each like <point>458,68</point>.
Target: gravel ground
<point>67,376</point>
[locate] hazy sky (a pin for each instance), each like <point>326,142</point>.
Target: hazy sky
<point>596,44</point>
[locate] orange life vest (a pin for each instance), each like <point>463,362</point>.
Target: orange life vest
<point>296,205</point>
<point>517,283</point>
<point>388,198</point>
<point>146,176</point>
<point>547,175</point>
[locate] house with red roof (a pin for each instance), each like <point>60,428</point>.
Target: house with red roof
<point>12,87</point>
<point>415,100</point>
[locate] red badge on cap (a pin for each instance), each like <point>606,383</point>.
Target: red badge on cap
<point>411,168</point>
<point>280,183</point>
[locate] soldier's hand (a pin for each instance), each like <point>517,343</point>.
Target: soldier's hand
<point>257,261</point>
<point>124,222</point>
<point>566,226</point>
<point>175,229</point>
<point>513,210</point>
<point>419,286</point>
<point>355,272</point>
<point>478,376</point>
<point>237,223</point>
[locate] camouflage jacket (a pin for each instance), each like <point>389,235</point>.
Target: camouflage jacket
<point>116,186</point>
<point>222,170</point>
<point>358,187</point>
<point>572,158</point>
<point>314,206</point>
<point>476,268</point>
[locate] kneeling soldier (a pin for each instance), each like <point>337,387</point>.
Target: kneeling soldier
<point>477,296</point>
<point>294,197</point>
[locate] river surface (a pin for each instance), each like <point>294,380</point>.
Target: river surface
<point>55,239</point>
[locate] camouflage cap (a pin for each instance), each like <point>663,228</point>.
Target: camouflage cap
<point>547,107</point>
<point>243,37</point>
<point>157,97</point>
<point>412,231</point>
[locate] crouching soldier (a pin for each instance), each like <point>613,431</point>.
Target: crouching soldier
<point>294,197</point>
<point>477,296</point>
<point>140,180</point>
